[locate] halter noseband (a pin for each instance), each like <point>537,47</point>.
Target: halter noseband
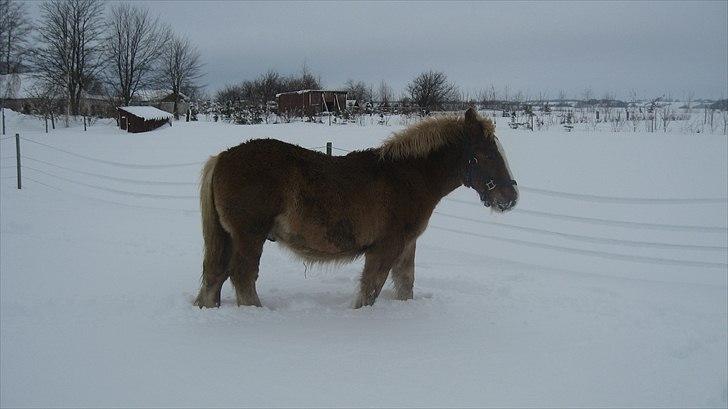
<point>491,183</point>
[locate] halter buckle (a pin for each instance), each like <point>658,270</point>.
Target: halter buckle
<point>490,184</point>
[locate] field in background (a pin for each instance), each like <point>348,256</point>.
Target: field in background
<point>605,287</point>
<point>674,116</point>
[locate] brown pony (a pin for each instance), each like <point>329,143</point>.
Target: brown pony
<point>374,202</point>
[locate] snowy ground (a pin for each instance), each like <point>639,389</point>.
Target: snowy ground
<point>567,301</point>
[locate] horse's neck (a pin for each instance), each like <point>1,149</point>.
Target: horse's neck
<point>443,170</point>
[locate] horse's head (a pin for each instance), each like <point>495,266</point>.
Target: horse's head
<point>486,169</point>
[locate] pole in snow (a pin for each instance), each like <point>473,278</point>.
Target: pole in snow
<point>17,157</point>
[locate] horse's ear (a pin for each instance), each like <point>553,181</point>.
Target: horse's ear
<point>471,116</point>
<point>473,126</point>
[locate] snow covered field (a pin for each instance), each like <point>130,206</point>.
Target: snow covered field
<point>569,300</point>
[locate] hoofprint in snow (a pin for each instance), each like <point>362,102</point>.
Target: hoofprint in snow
<point>582,300</point>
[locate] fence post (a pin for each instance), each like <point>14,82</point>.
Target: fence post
<point>84,123</point>
<point>328,148</point>
<point>3,109</point>
<point>17,157</point>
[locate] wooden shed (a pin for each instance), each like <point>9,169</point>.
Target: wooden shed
<point>310,102</point>
<point>142,119</point>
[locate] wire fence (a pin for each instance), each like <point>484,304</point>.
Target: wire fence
<point>589,239</point>
<point>107,177</point>
<point>114,202</point>
<point>112,163</point>
<point>584,252</point>
<point>606,222</point>
<point>622,200</point>
<point>43,171</point>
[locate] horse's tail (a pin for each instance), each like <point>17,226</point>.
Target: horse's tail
<point>215,237</point>
<point>211,227</point>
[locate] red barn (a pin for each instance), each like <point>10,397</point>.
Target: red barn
<point>310,102</point>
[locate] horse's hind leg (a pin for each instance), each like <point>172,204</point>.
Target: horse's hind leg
<point>214,271</point>
<point>243,269</point>
<point>403,273</point>
<point>376,269</point>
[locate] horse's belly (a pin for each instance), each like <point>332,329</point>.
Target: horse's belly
<point>318,241</point>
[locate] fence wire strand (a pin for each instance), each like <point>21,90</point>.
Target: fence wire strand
<point>118,191</point>
<point>606,222</point>
<point>195,211</point>
<point>622,200</point>
<point>583,252</point>
<point>591,239</point>
<point>117,179</point>
<point>112,163</point>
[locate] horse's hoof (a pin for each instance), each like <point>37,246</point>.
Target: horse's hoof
<point>201,304</point>
<point>360,302</point>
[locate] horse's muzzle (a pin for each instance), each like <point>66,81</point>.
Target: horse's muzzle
<point>506,205</point>
<point>500,206</point>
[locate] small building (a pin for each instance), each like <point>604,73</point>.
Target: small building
<point>26,93</point>
<point>163,99</point>
<point>142,118</point>
<point>310,102</point>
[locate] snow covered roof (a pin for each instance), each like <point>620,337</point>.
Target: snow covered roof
<point>303,91</point>
<point>147,113</point>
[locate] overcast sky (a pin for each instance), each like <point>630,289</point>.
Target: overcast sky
<point>654,47</point>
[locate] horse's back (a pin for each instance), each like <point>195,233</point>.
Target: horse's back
<point>271,164</point>
<point>323,207</point>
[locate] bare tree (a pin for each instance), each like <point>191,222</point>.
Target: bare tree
<point>267,86</point>
<point>230,93</point>
<point>357,90</point>
<point>14,32</point>
<point>633,96</point>
<point>608,103</point>
<point>180,68</point>
<point>519,97</point>
<point>431,90</point>
<point>543,97</point>
<point>132,46</point>
<point>384,94</point>
<point>587,95</point>
<point>562,96</point>
<point>69,54</point>
<point>48,101</point>
<point>689,96</point>
<point>306,80</point>
<point>487,97</point>
<point>666,116</point>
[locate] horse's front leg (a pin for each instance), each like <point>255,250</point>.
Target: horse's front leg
<point>377,264</point>
<point>403,273</point>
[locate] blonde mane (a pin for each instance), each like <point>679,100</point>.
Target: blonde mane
<point>426,136</point>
